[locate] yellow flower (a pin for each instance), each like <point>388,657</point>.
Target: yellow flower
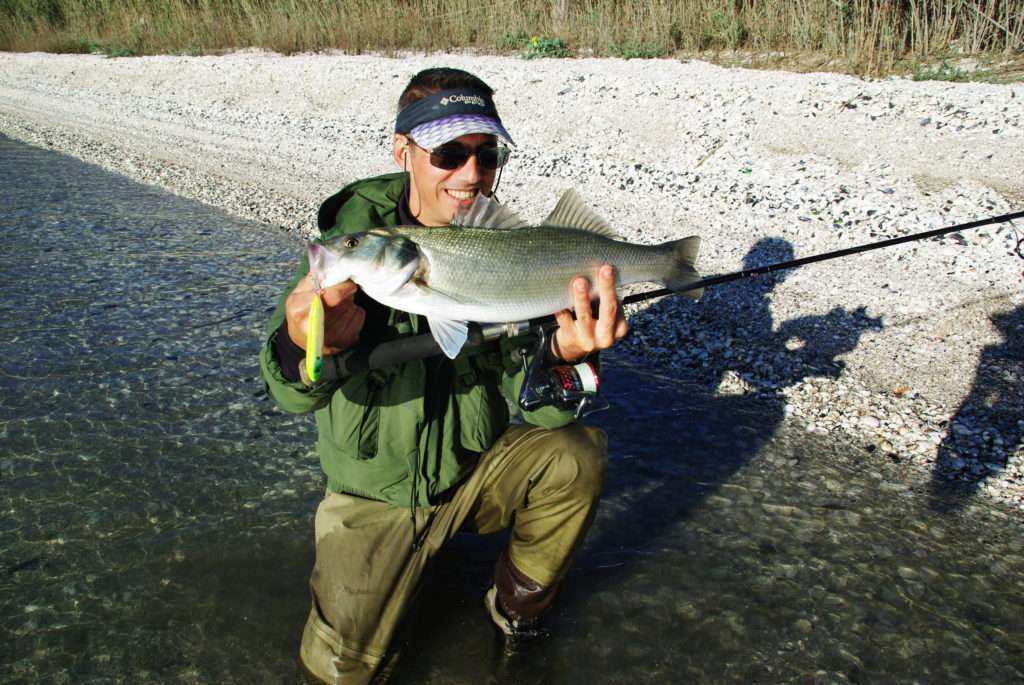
<point>535,41</point>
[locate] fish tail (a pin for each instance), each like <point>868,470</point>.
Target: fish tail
<point>683,269</point>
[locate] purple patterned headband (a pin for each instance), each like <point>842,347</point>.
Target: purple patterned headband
<point>440,131</point>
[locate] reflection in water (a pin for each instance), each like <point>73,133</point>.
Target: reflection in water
<point>989,422</point>
<point>157,510</point>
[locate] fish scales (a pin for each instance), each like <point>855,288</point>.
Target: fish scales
<point>525,272</point>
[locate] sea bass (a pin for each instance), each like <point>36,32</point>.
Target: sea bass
<point>489,266</point>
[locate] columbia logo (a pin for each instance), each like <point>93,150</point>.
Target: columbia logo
<point>466,99</point>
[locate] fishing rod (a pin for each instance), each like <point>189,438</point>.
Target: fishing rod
<point>825,256</point>
<point>361,359</point>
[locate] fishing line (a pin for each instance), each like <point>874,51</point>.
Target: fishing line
<point>497,182</point>
<point>1019,248</point>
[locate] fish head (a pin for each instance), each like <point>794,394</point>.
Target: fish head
<point>379,261</point>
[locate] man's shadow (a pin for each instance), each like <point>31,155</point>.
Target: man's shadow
<point>688,436</point>
<point>988,427</point>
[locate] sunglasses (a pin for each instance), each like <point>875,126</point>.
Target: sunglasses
<point>451,156</point>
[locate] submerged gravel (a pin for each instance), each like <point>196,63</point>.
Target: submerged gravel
<point>914,352</point>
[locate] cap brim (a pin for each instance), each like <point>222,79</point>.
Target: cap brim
<point>441,131</point>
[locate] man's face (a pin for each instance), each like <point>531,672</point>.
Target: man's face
<point>435,195</point>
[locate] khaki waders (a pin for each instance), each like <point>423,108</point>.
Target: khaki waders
<point>544,484</point>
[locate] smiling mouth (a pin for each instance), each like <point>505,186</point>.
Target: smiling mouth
<point>462,194</point>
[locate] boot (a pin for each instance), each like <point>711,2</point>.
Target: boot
<point>515,603</point>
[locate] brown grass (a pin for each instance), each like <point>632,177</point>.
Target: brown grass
<point>864,36</point>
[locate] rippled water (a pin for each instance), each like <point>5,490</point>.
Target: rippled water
<point>157,509</point>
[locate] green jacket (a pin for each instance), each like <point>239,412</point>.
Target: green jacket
<point>408,433</point>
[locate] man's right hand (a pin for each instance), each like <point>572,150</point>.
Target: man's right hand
<point>343,318</point>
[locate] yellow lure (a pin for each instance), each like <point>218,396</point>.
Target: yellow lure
<point>315,339</point>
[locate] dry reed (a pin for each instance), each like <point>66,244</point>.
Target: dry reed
<point>868,36</point>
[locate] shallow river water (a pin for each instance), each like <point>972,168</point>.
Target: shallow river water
<point>156,508</point>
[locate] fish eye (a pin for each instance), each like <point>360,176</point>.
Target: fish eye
<point>350,242</point>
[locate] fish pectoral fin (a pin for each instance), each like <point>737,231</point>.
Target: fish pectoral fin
<point>450,335</point>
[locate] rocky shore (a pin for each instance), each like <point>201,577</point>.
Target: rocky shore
<point>915,352</point>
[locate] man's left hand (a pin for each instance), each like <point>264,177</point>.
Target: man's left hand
<point>576,338</point>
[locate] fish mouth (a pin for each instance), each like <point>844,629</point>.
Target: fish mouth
<point>321,263</point>
<point>316,261</point>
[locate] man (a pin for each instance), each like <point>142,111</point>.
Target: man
<point>419,451</point>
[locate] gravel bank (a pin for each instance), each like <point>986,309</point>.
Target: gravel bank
<point>916,352</point>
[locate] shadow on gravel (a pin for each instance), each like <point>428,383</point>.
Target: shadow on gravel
<point>678,447</point>
<point>988,427</point>
<point>727,342</point>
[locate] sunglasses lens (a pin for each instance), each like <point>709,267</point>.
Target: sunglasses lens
<point>449,156</point>
<point>492,157</point>
<point>453,156</point>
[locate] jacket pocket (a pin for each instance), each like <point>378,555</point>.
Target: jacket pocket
<point>358,428</point>
<point>483,414</point>
<point>369,427</point>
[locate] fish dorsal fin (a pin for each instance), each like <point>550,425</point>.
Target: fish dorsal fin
<point>487,213</point>
<point>570,212</point>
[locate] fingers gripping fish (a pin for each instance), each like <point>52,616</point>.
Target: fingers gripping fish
<point>489,266</point>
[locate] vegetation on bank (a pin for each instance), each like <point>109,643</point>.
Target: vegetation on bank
<point>862,36</point>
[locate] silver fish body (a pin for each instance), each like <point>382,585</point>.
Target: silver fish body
<point>497,273</point>
<point>488,275</point>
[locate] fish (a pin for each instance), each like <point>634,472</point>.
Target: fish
<point>490,266</point>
